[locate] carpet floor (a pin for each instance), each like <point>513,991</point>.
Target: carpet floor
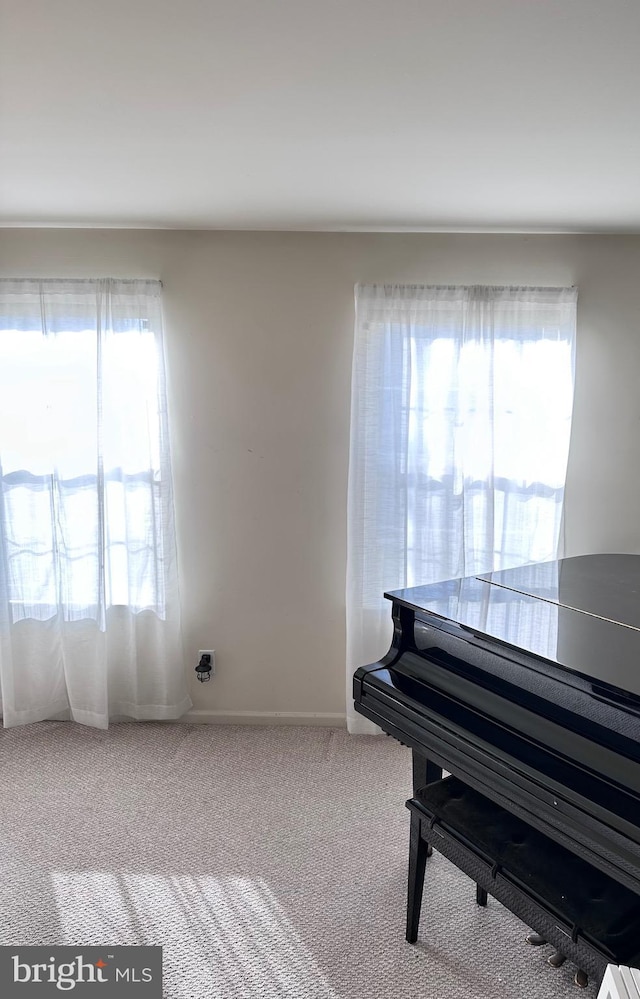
<point>269,863</point>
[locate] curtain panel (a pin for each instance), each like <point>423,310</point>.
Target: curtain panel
<point>89,600</point>
<point>460,423</point>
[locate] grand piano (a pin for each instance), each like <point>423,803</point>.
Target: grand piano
<point>524,684</point>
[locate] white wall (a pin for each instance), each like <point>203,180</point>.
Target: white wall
<point>259,338</point>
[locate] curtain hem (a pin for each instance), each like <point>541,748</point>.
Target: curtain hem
<point>93,719</point>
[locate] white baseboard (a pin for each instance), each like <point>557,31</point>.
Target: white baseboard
<point>199,717</point>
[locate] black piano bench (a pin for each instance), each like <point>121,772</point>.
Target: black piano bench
<point>586,915</point>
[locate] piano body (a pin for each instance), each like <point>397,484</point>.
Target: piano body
<point>525,685</point>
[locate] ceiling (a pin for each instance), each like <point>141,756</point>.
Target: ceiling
<point>321,114</point>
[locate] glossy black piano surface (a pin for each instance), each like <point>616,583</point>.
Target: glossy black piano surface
<point>525,683</point>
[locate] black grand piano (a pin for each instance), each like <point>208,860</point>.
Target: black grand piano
<point>524,685</point>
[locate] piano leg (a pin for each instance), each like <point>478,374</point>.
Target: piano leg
<point>424,771</point>
<point>481,896</point>
<point>417,863</point>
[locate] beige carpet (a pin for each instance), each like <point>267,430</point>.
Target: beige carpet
<point>268,862</point>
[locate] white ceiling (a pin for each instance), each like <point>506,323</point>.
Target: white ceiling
<point>321,114</point>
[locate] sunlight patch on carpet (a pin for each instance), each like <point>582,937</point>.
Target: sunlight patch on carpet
<point>216,934</point>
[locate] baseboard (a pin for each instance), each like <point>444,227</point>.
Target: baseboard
<point>199,717</point>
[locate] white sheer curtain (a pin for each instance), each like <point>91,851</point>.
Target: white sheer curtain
<point>460,423</point>
<point>89,604</point>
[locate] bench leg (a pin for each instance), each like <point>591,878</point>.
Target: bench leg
<point>481,895</point>
<point>417,864</point>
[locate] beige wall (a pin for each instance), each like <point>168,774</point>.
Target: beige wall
<point>259,336</point>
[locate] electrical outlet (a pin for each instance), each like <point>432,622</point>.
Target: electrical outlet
<point>208,652</point>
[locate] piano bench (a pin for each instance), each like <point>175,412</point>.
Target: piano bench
<point>591,919</point>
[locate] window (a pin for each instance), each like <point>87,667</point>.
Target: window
<point>85,476</point>
<point>486,446</point>
<point>460,423</point>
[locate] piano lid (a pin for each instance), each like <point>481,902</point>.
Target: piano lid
<point>606,586</point>
<point>581,614</point>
